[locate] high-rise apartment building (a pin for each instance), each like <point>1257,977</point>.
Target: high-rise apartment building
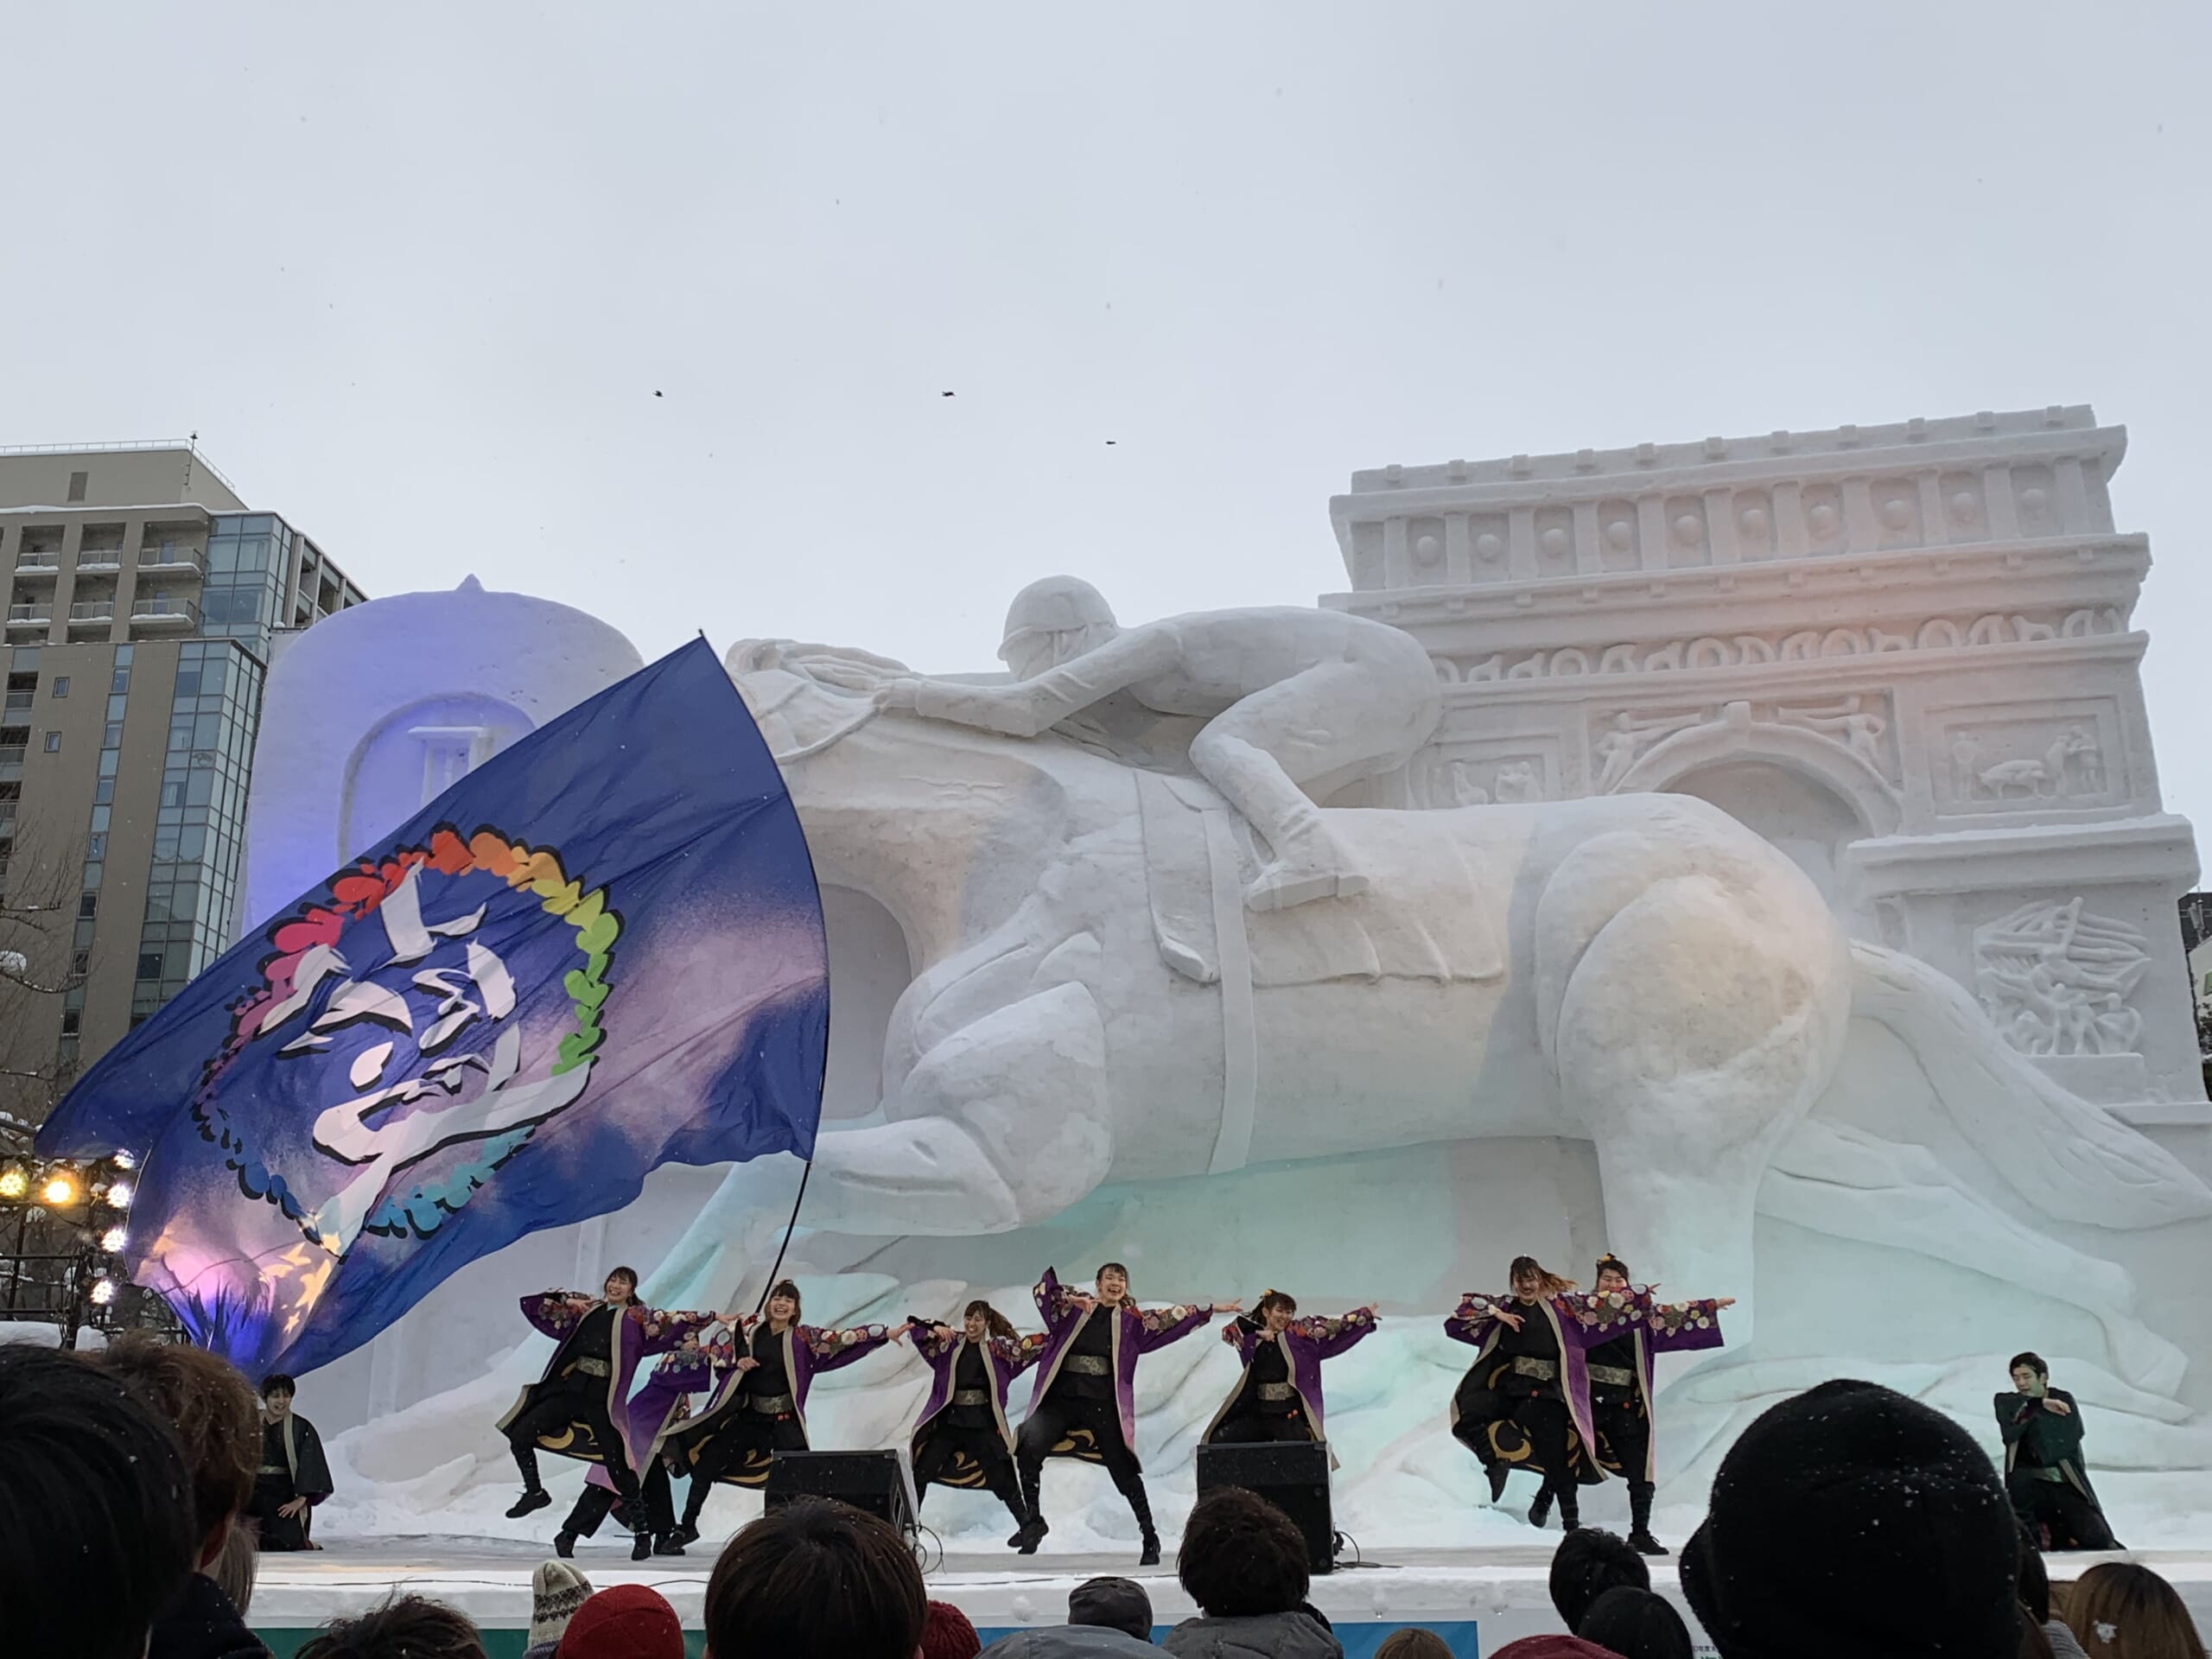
<point>144,598</point>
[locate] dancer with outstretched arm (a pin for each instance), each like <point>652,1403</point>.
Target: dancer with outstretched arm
<point>572,1409</point>
<point>656,1407</point>
<point>759,1406</point>
<point>962,1437</point>
<point>1278,1395</point>
<point>1084,1403</point>
<point>1619,1370</point>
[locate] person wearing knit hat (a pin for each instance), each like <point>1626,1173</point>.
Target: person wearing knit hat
<point>1850,1520</point>
<point>556,1590</point>
<point>946,1633</point>
<point>627,1622</point>
<point>1117,1604</point>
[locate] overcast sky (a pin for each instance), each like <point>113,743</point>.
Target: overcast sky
<point>415,276</point>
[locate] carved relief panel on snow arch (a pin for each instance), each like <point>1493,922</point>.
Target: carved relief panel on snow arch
<point>2028,757</point>
<point>1860,726</point>
<point>2057,980</point>
<point>1479,776</point>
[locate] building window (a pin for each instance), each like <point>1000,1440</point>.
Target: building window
<point>77,482</point>
<point>150,965</point>
<point>61,685</point>
<point>72,1021</point>
<point>54,742</point>
<point>88,906</point>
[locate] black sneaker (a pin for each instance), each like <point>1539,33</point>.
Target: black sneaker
<point>564,1545</point>
<point>685,1534</point>
<point>641,1546</point>
<point>535,1498</point>
<point>1151,1556</point>
<point>1540,1512</point>
<point>1032,1536</point>
<point>1643,1543</point>
<point>668,1544</point>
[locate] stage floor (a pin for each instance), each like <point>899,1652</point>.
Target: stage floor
<point>1501,1589</point>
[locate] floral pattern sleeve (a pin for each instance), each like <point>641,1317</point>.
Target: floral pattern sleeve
<point>1333,1337</point>
<point>1055,1302</point>
<point>552,1313</point>
<point>830,1349</point>
<point>664,1331</point>
<point>1019,1355</point>
<point>1476,1318</point>
<point>1679,1327</point>
<point>1158,1326</point>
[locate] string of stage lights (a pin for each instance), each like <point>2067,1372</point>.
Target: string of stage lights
<point>101,1189</point>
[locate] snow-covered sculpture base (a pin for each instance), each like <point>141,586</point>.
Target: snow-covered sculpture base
<point>1639,1030</point>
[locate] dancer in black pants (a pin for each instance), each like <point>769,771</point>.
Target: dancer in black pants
<point>2045,1474</point>
<point>963,1437</point>
<point>1085,1401</point>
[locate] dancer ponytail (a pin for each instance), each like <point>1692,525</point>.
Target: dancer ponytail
<point>997,1322</point>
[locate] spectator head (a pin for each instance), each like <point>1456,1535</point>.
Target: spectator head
<point>1586,1564</point>
<point>94,1491</point>
<point>1117,1604</point>
<point>556,1590</point>
<point>1413,1643</point>
<point>946,1633</point>
<point>626,1622</point>
<point>1242,1556</point>
<point>2120,1610</point>
<point>1551,1646</point>
<point>815,1580</point>
<point>406,1627</point>
<point>621,1286</point>
<point>2035,1582</point>
<point>236,1568</point>
<point>2030,1374</point>
<point>277,1392</point>
<point>2035,1642</point>
<point>212,1411</point>
<point>1845,1486</point>
<point>1635,1624</point>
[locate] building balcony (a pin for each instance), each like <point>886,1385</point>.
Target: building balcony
<point>96,559</point>
<point>172,559</point>
<point>37,564</point>
<point>164,613</point>
<point>85,612</point>
<point>29,616</point>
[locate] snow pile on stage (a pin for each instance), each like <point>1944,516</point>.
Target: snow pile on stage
<point>1561,1016</point>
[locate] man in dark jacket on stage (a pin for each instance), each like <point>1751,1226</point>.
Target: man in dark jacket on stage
<point>294,1476</point>
<point>2045,1475</point>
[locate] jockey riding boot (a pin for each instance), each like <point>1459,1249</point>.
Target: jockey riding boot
<point>1540,1512</point>
<point>1497,1472</point>
<point>1639,1514</point>
<point>1570,1505</point>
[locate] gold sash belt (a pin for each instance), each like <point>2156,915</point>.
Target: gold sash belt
<point>773,1405</point>
<point>1544,1371</point>
<point>1613,1376</point>
<point>1089,1365</point>
<point>971,1396</point>
<point>594,1368</point>
<point>1275,1393</point>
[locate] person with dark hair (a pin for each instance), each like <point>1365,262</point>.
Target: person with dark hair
<point>2035,1601</point>
<point>1588,1562</point>
<point>816,1579</point>
<point>1635,1624</point>
<point>1278,1395</point>
<point>1244,1561</point>
<point>759,1406</point>
<point>1413,1643</point>
<point>1116,1604</point>
<point>573,1408</point>
<point>2121,1609</point>
<point>1525,1401</point>
<point>1084,1404</point>
<point>1619,1370</point>
<point>962,1437</point>
<point>212,1410</point>
<point>294,1476</point>
<point>2043,1471</point>
<point>1850,1520</point>
<point>405,1627</point>
<point>95,1492</point>
<point>650,1412</point>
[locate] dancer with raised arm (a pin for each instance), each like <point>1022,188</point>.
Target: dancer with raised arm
<point>2045,1474</point>
<point>759,1406</point>
<point>1524,1402</point>
<point>571,1410</point>
<point>663,1401</point>
<point>1278,1396</point>
<point>963,1437</point>
<point>1084,1403</point>
<point>1620,1378</point>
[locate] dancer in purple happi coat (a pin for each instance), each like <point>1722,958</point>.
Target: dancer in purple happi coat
<point>572,1409</point>
<point>1278,1396</point>
<point>662,1402</point>
<point>963,1437</point>
<point>1084,1402</point>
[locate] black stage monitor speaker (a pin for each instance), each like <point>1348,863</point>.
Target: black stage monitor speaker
<point>1292,1475</point>
<point>874,1481</point>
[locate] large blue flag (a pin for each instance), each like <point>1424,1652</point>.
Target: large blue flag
<point>600,951</point>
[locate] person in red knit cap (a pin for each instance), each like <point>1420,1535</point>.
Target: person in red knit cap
<point>946,1633</point>
<point>626,1622</point>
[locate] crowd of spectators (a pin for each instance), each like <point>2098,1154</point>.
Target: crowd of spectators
<point>1846,1521</point>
